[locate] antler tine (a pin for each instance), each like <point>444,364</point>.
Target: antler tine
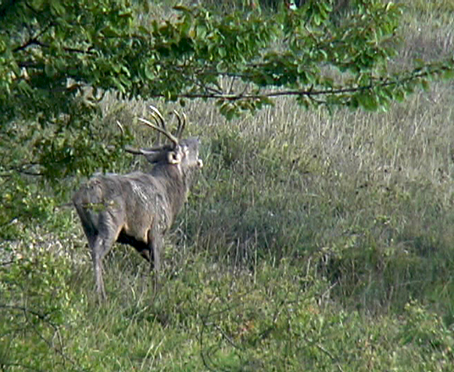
<point>143,151</point>
<point>160,130</point>
<point>159,115</point>
<point>181,123</point>
<point>158,135</point>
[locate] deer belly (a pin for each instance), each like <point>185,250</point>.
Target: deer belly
<point>137,231</point>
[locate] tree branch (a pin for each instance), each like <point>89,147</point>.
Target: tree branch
<point>23,169</point>
<point>33,40</point>
<point>383,83</point>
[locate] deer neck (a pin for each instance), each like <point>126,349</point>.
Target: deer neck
<point>176,184</point>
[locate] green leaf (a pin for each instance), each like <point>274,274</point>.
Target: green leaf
<point>50,70</point>
<point>368,101</point>
<point>448,74</point>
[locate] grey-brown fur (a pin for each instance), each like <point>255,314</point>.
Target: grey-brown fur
<point>137,208</point>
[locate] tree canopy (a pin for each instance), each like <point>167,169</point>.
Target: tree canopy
<point>58,58</point>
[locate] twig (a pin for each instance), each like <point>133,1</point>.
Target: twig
<point>320,347</point>
<point>33,40</point>
<point>227,337</point>
<point>6,263</point>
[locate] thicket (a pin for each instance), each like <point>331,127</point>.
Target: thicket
<point>316,238</point>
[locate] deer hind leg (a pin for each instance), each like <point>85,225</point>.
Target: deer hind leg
<point>95,242</point>
<point>97,268</point>
<point>100,248</point>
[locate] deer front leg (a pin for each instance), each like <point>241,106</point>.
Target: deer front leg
<point>155,240</point>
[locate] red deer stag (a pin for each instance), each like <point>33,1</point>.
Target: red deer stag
<point>138,208</point>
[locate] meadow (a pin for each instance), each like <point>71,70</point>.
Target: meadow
<point>312,240</point>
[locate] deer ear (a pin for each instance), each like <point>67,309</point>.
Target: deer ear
<point>174,157</point>
<point>151,155</point>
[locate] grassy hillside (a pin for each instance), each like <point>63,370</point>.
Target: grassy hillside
<point>311,241</point>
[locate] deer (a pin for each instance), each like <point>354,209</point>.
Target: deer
<point>138,208</point>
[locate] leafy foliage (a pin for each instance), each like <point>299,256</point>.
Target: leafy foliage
<point>59,58</point>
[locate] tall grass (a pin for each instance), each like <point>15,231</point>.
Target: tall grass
<point>365,197</point>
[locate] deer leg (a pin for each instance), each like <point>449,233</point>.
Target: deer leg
<point>95,242</point>
<point>97,268</point>
<point>101,247</point>
<point>145,253</point>
<point>155,241</point>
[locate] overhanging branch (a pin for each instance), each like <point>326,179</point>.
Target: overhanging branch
<point>34,40</point>
<point>382,83</point>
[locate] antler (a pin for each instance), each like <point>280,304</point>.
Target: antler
<point>181,124</point>
<point>159,116</point>
<point>161,125</point>
<point>169,135</point>
<point>159,119</point>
